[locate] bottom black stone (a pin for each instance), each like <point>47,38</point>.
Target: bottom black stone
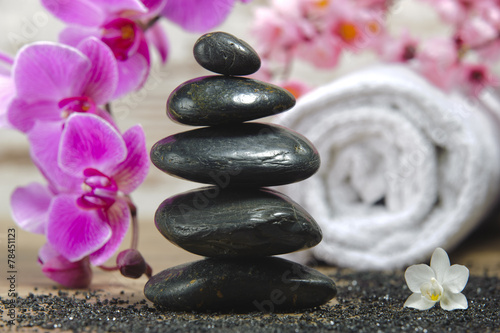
<point>251,284</point>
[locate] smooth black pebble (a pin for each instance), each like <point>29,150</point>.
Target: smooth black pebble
<point>218,100</point>
<point>223,53</point>
<point>248,154</point>
<point>265,284</point>
<point>216,222</point>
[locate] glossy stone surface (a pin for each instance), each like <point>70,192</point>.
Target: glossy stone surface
<point>218,100</point>
<point>260,284</point>
<point>223,53</point>
<point>248,154</point>
<point>216,222</point>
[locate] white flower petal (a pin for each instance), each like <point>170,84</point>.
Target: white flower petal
<point>456,278</point>
<point>451,301</point>
<point>418,302</point>
<point>417,275</point>
<point>440,263</point>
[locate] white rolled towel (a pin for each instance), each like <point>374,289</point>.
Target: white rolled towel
<point>404,169</point>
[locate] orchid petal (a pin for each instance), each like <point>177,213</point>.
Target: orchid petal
<point>416,275</point>
<point>118,218</point>
<point>156,36</point>
<point>74,35</point>
<point>102,79</point>
<point>80,12</point>
<point>456,278</point>
<point>451,301</point>
<point>418,302</point>
<point>131,173</point>
<point>6,62</point>
<point>132,73</point>
<point>73,232</point>
<point>107,117</point>
<point>154,6</point>
<point>47,253</point>
<point>197,15</point>
<point>122,7</point>
<point>23,114</point>
<point>69,274</point>
<point>44,141</point>
<point>440,263</point>
<point>89,141</point>
<point>7,93</point>
<point>143,49</point>
<point>30,207</point>
<point>48,70</point>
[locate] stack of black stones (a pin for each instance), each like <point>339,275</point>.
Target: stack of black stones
<point>237,223</point>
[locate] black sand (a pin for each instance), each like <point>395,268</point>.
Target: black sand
<point>366,302</point>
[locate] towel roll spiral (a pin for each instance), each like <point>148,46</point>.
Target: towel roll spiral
<point>405,168</point>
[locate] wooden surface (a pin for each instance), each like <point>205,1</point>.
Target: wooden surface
<point>481,252</point>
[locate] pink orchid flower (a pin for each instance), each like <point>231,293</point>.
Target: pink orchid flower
<point>7,88</point>
<point>90,168</point>
<point>120,25</point>
<point>53,81</point>
<point>198,15</point>
<point>76,274</point>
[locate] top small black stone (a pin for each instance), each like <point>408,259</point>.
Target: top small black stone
<point>223,53</point>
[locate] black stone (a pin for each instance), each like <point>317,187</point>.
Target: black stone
<point>216,222</point>
<point>218,100</point>
<point>265,284</point>
<point>248,154</point>
<point>223,53</point>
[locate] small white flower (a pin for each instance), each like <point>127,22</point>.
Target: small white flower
<point>438,283</point>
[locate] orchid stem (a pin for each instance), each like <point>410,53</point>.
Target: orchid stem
<point>107,107</point>
<point>135,224</point>
<point>151,23</point>
<point>109,268</point>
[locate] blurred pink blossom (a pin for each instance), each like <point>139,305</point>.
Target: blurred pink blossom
<point>438,62</point>
<point>451,11</point>
<point>297,88</point>
<point>475,32</point>
<point>317,31</point>
<point>475,77</point>
<point>398,49</point>
<point>321,31</point>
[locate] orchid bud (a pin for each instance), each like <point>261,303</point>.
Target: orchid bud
<point>131,263</point>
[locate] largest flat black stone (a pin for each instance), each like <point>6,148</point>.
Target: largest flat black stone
<point>236,222</point>
<point>265,284</point>
<point>217,100</point>
<point>248,154</point>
